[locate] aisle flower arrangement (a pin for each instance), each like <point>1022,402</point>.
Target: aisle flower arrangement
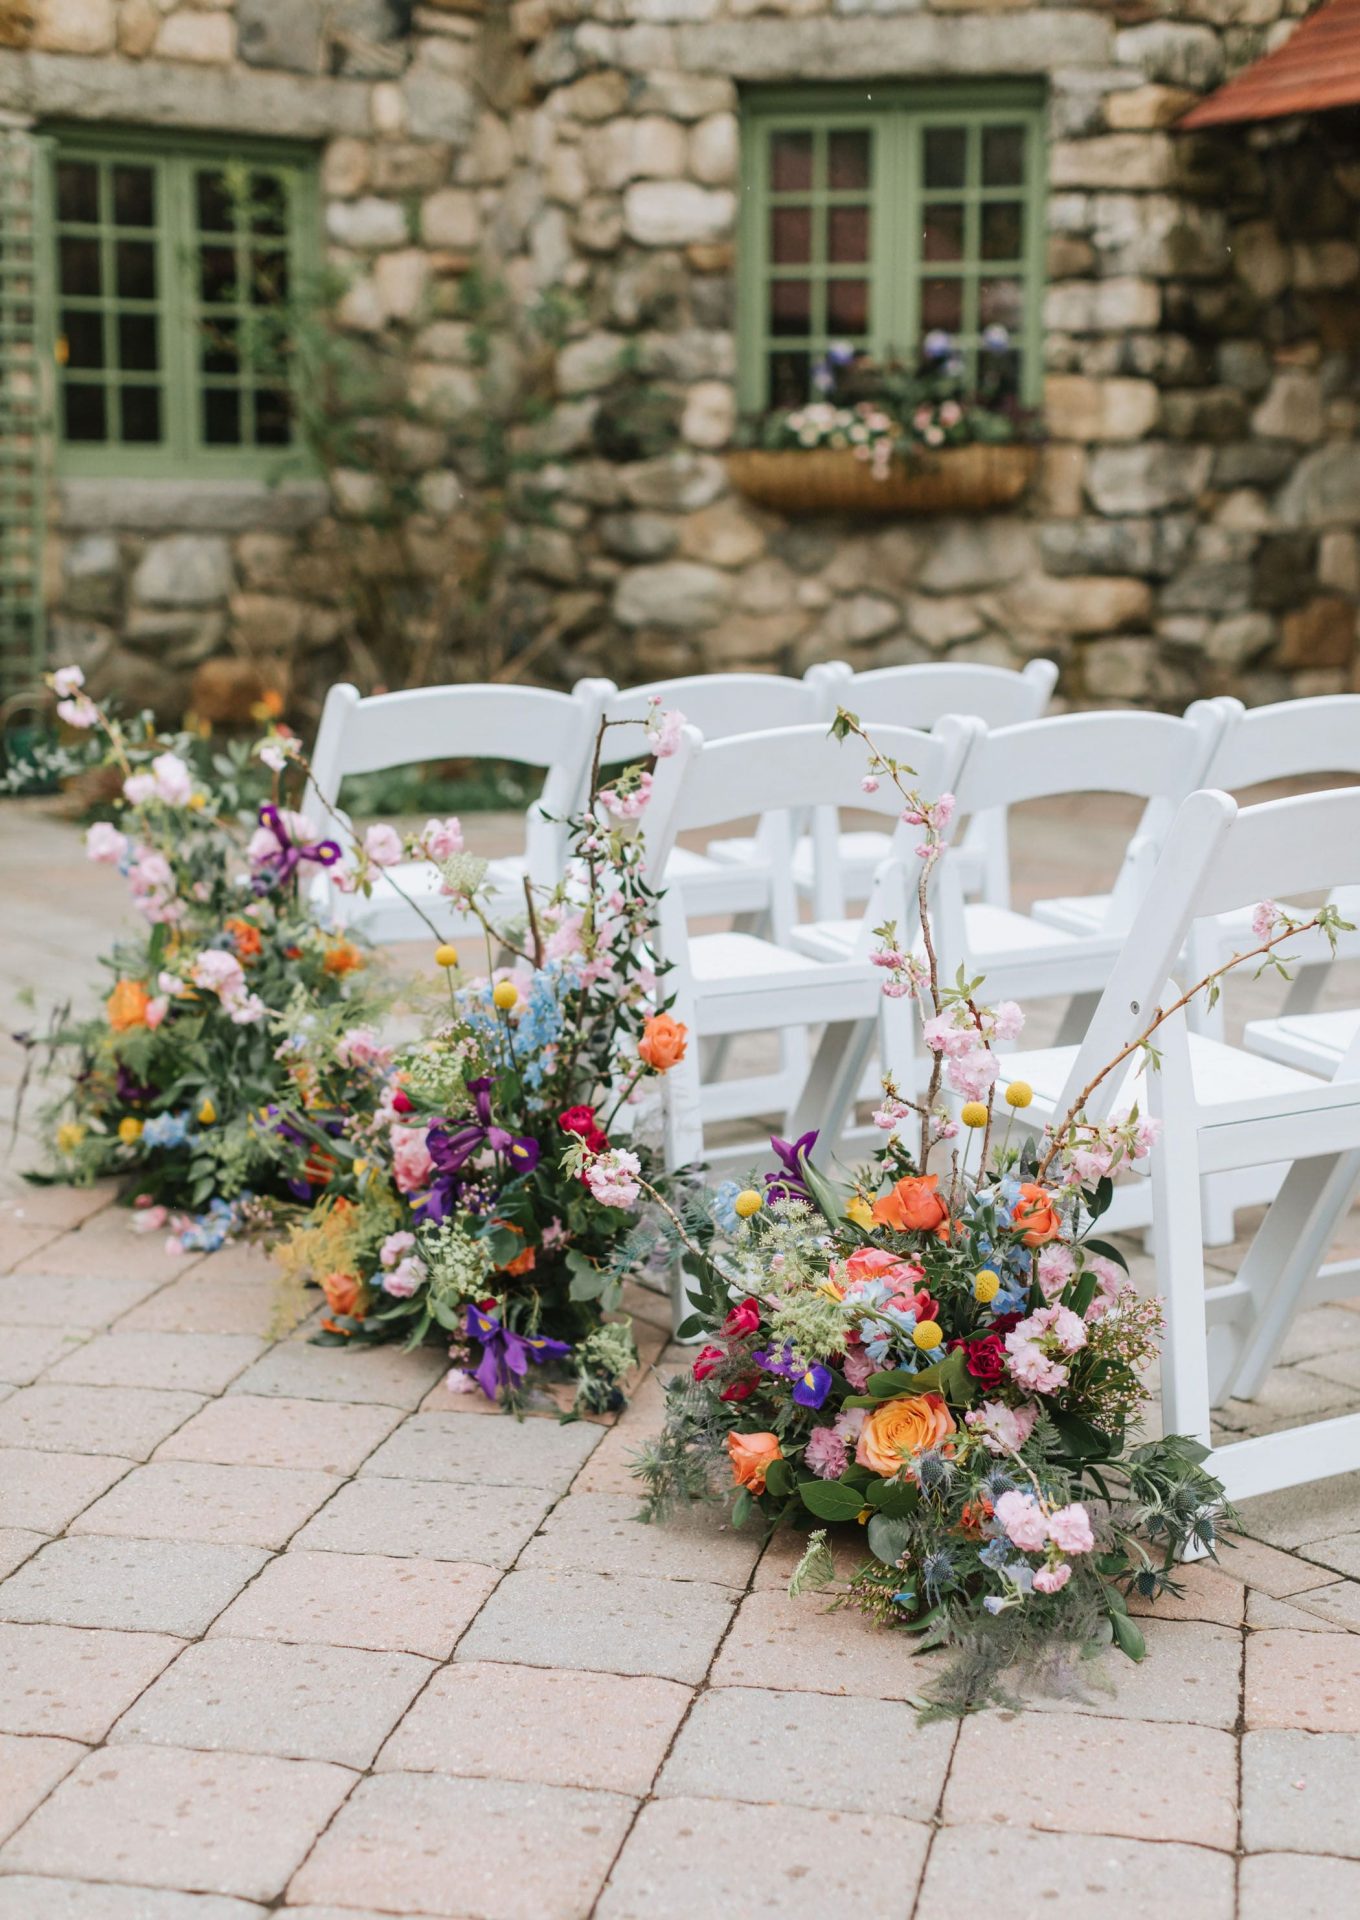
<point>945,1352</point>
<point>486,1175</point>
<point>176,1084</point>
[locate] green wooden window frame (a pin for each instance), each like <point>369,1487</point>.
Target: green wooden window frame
<point>165,252</point>
<point>875,215</point>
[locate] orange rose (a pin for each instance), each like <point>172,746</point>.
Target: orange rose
<point>913,1206</point>
<point>898,1428</point>
<point>662,1045</point>
<point>245,938</point>
<point>343,957</point>
<point>126,1006</point>
<point>1036,1215</point>
<point>343,1294</point>
<point>753,1454</point>
<point>523,1262</point>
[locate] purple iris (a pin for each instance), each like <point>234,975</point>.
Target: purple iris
<point>506,1354</point>
<point>451,1148</point>
<point>811,1384</point>
<point>290,853</point>
<point>790,1184</point>
<point>130,1090</point>
<point>299,1187</point>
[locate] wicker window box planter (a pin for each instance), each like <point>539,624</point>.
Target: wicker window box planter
<point>971,479</point>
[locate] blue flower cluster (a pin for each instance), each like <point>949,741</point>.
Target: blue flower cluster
<point>211,1229</point>
<point>165,1130</point>
<point>538,1025</point>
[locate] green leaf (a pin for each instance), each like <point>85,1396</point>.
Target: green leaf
<point>1107,1251</point>
<point>741,1507</point>
<point>688,1327</point>
<point>829,1500</point>
<point>895,1498</point>
<point>888,1538</point>
<point>1127,1637</point>
<point>779,1479</point>
<point>831,1203</point>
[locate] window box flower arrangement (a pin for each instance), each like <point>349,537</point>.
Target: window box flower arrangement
<point>886,439</point>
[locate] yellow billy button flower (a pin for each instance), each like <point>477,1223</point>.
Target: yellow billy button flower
<point>974,1114</point>
<point>860,1212</point>
<point>747,1202</point>
<point>207,1113</point>
<point>1019,1093</point>
<point>69,1136</point>
<point>129,1131</point>
<point>198,801</point>
<point>927,1335</point>
<point>446,954</point>
<point>505,994</point>
<point>986,1286</point>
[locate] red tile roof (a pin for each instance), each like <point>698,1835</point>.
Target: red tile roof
<point>1316,68</point>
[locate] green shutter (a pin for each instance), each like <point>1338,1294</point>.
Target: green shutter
<point>877,215</point>
<point>23,413</point>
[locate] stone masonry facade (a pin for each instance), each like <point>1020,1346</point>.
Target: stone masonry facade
<point>1194,523</point>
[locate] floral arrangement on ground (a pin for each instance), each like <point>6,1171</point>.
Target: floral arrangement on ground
<point>950,1357</point>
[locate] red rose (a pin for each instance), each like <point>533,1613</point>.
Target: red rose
<point>741,1389</point>
<point>401,1102</point>
<point>924,1307</point>
<point>985,1359</point>
<point>579,1120</point>
<point>709,1360</point>
<point>744,1318</point>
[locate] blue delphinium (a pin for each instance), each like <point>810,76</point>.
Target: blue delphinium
<point>166,1130</point>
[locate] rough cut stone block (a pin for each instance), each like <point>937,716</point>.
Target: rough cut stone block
<point>432,1519</point>
<point>195,1500</point>
<point>928,45</point>
<point>485,1453</point>
<point>1299,1792</point>
<point>29,1769</point>
<point>184,570</point>
<point>676,213</point>
<point>1147,478</point>
<point>127,1421</point>
<point>674,593</point>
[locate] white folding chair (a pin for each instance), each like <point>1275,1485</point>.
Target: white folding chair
<point>529,725</point>
<point>836,865</point>
<point>739,982</point>
<point>1223,1109</point>
<point>721,705</point>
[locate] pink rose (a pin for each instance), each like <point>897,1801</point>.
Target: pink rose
<point>395,1248</point>
<point>1023,1518</point>
<point>156,1011</point>
<point>1052,1579</point>
<point>407,1277</point>
<point>412,1167</point>
<point>1070,1529</point>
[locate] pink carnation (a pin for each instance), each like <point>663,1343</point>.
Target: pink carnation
<point>406,1278</point>
<point>857,1367</point>
<point>1057,1264</point>
<point>612,1178</point>
<point>412,1167</point>
<point>1070,1529</point>
<point>826,1453</point>
<point>972,1074</point>
<point>1023,1518</point>
<point>1052,1579</point>
<point>1030,1366</point>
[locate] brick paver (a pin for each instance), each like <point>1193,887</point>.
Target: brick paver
<point>294,1630</point>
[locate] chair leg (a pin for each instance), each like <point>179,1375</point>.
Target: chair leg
<point>1076,1019</point>
<point>1180,1250</point>
<point>829,1089</point>
<point>1315,1194</point>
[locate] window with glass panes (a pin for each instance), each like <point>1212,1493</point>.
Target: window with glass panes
<point>879,215</point>
<point>170,265</point>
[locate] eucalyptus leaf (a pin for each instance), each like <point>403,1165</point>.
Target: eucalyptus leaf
<point>829,1500</point>
<point>888,1538</point>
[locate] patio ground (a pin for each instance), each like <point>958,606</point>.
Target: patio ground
<point>285,1629</point>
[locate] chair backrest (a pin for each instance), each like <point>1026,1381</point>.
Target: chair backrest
<point>1217,859</point>
<point>1287,740</point>
<point>530,725</point>
<point>919,696</point>
<point>718,704</point>
<point>1149,756</point>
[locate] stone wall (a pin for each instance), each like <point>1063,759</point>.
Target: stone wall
<point>1193,525</point>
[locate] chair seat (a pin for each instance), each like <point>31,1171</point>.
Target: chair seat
<point>859,854</point>
<point>711,886</point>
<point>389,913</point>
<point>1224,1076</point>
<point>743,956</point>
<point>1312,1042</point>
<point>996,937</point>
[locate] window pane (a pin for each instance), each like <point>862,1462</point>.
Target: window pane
<point>138,342</point>
<point>268,278</point>
<point>847,162</point>
<point>220,351</point>
<point>789,377</point>
<point>214,203</point>
<point>847,306</point>
<point>140,408</point>
<point>790,307</point>
<point>269,204</point>
<point>942,236</point>
<point>135,269</point>
<point>83,414</point>
<point>1003,156</point>
<point>1002,230</point>
<point>78,268</point>
<point>134,197</point>
<point>84,336</point>
<point>222,417</point>
<point>941,305</point>
<point>847,234</point>
<point>78,191</point>
<point>946,156</point>
<point>791,235</point>
<point>217,275</point>
<point>273,419</point>
<point>1000,304</point>
<point>791,162</point>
